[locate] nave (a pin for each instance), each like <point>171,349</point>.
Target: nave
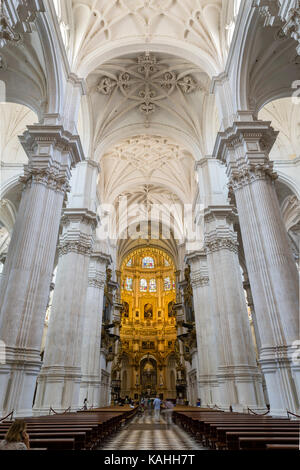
<point>144,433</point>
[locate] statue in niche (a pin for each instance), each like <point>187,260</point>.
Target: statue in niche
<point>125,309</point>
<point>148,311</point>
<point>171,312</point>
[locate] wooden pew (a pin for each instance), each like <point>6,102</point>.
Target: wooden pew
<point>223,430</point>
<point>282,447</point>
<point>80,430</point>
<point>259,443</point>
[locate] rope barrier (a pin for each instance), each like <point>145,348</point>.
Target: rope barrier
<point>56,413</point>
<point>293,414</point>
<point>5,418</point>
<point>218,408</point>
<point>258,414</point>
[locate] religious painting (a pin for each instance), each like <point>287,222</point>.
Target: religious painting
<point>171,309</point>
<point>126,309</point>
<point>148,311</point>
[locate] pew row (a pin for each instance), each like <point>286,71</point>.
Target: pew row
<point>84,430</point>
<point>238,431</point>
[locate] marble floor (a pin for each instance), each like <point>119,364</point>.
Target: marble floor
<point>144,433</point>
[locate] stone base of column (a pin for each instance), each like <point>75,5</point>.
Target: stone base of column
<point>240,386</point>
<point>208,390</point>
<point>90,388</point>
<point>18,380</point>
<point>58,388</point>
<point>282,379</point>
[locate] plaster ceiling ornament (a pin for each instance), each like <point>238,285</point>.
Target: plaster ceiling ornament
<point>147,153</point>
<point>156,160</point>
<point>147,82</point>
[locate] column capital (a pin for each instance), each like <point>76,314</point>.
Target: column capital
<point>52,152</point>
<point>82,245</point>
<point>203,161</point>
<point>257,138</point>
<point>245,149</point>
<point>195,257</point>
<point>101,257</point>
<point>215,213</point>
<point>96,279</point>
<point>76,215</point>
<point>220,234</point>
<point>40,142</point>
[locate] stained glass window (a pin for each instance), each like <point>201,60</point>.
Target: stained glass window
<point>143,285</point>
<point>167,262</point>
<point>174,285</point>
<point>128,283</point>
<point>148,262</point>
<point>129,262</point>
<point>167,283</point>
<point>152,285</point>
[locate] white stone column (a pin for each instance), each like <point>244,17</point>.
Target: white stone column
<point>59,380</point>
<point>272,270</point>
<point>29,265</point>
<point>205,329</point>
<point>91,345</point>
<point>240,382</point>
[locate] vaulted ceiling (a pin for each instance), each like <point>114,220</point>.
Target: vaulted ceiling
<point>92,28</point>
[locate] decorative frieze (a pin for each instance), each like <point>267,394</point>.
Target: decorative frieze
<point>82,246</point>
<point>51,178</point>
<point>199,281</point>
<point>214,244</point>
<point>251,173</point>
<point>98,281</point>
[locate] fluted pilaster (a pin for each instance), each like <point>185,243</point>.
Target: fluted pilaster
<point>205,329</point>
<point>60,377</point>
<point>240,382</point>
<point>29,264</point>
<point>272,271</point>
<point>90,386</point>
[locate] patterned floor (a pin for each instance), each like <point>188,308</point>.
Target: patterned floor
<point>143,433</point>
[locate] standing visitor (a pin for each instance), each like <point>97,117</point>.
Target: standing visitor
<point>198,402</point>
<point>156,405</point>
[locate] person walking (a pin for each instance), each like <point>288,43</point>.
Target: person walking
<point>16,437</point>
<point>156,405</point>
<point>169,406</point>
<point>149,406</point>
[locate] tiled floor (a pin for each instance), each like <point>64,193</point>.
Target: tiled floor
<point>143,433</point>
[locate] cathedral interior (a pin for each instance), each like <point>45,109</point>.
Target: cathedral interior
<point>150,205</point>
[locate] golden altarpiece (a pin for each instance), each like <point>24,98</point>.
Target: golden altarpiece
<point>148,355</point>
